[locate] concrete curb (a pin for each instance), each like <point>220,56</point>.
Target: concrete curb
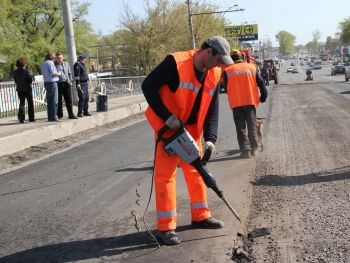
<point>18,142</point>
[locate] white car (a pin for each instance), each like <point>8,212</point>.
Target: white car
<point>290,70</point>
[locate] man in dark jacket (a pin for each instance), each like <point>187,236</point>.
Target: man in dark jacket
<point>81,80</point>
<point>23,79</point>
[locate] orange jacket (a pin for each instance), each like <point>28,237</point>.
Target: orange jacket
<point>181,102</point>
<point>242,89</point>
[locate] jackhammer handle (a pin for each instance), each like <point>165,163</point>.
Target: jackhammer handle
<point>164,129</point>
<point>161,132</point>
<point>206,156</point>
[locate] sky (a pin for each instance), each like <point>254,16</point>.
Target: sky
<point>299,17</point>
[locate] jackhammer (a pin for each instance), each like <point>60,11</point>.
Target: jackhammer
<point>183,144</point>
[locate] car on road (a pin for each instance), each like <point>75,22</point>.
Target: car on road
<point>347,73</point>
<point>289,70</point>
<point>317,64</point>
<point>338,69</point>
<point>295,70</point>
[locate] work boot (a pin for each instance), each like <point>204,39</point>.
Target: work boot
<point>208,223</point>
<point>254,152</point>
<point>169,237</point>
<point>245,154</point>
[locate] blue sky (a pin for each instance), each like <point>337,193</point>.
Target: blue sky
<point>299,17</point>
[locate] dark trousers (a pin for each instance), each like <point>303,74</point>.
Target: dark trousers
<point>64,89</point>
<point>23,95</point>
<point>245,119</point>
<point>83,103</point>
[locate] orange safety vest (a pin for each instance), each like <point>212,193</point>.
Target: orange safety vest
<point>242,89</point>
<point>181,102</point>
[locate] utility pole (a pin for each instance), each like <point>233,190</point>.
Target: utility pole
<point>70,41</point>
<point>190,24</point>
<point>190,14</point>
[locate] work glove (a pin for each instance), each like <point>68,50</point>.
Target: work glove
<point>208,145</point>
<point>173,123</point>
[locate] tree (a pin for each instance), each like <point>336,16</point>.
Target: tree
<point>344,26</point>
<point>286,42</point>
<point>164,30</point>
<point>332,45</point>
<point>33,27</point>
<point>266,48</point>
<point>315,46</point>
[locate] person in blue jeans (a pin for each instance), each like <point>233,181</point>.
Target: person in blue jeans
<point>50,75</point>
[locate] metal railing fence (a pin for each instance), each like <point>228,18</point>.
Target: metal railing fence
<point>113,87</point>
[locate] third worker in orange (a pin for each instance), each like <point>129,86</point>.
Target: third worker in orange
<point>242,81</point>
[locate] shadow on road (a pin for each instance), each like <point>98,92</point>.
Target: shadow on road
<point>124,248</point>
<point>118,248</point>
<point>292,180</point>
<point>225,156</point>
<point>345,92</point>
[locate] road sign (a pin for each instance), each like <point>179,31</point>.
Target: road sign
<point>242,32</point>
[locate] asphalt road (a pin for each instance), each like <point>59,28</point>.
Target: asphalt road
<point>76,206</point>
<point>301,193</point>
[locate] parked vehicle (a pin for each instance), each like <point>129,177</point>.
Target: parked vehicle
<point>347,73</point>
<point>337,69</point>
<point>272,69</point>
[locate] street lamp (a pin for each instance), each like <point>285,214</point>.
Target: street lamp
<point>190,14</point>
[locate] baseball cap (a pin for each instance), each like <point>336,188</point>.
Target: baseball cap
<point>83,55</point>
<point>221,45</point>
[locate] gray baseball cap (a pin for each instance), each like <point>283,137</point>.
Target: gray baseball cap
<point>221,45</point>
<point>83,55</point>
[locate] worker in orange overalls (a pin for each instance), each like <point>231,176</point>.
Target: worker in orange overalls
<point>242,81</point>
<point>183,89</point>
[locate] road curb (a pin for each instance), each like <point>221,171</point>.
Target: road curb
<point>20,141</point>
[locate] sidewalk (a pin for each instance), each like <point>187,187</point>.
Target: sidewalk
<point>15,137</point>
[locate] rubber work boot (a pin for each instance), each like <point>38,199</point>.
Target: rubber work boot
<point>245,154</point>
<point>169,237</point>
<point>208,223</point>
<point>254,152</point>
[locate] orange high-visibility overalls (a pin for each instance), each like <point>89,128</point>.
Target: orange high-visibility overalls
<point>180,104</point>
<point>242,89</point>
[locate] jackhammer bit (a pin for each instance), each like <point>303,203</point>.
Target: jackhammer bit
<point>210,182</point>
<point>183,144</point>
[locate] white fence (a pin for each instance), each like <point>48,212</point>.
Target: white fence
<point>113,87</point>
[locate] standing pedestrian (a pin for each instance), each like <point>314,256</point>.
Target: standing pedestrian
<point>242,81</point>
<point>81,80</point>
<point>64,86</point>
<point>24,79</point>
<point>50,76</point>
<point>183,88</point>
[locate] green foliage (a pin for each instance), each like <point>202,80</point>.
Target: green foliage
<point>31,28</point>
<point>286,41</point>
<point>345,31</point>
<point>164,30</point>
